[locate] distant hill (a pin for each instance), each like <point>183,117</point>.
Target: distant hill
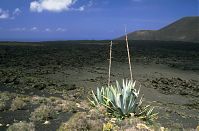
<point>185,29</point>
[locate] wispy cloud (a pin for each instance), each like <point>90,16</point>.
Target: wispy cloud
<point>37,30</point>
<point>17,11</point>
<point>18,29</point>
<point>82,8</point>
<point>34,29</point>
<point>60,29</point>
<point>5,14</point>
<point>90,3</point>
<point>48,30</point>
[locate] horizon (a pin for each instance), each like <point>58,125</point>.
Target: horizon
<point>61,20</point>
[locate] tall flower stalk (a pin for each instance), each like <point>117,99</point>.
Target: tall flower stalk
<point>109,71</point>
<point>129,57</point>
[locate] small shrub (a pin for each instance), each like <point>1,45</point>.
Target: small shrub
<point>17,104</point>
<point>84,104</point>
<point>21,126</point>
<point>26,98</point>
<point>43,113</point>
<point>2,105</point>
<point>53,99</point>
<point>5,96</point>
<point>77,122</point>
<point>65,106</point>
<point>38,100</point>
<point>108,126</point>
<point>131,123</point>
<point>82,121</point>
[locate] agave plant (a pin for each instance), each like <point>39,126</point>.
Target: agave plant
<point>146,113</point>
<point>119,100</point>
<point>123,100</point>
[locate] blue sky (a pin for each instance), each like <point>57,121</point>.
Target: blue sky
<point>37,20</point>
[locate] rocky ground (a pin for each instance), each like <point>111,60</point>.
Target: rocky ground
<point>58,76</point>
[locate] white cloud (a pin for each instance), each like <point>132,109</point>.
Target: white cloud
<point>34,29</point>
<point>48,30</point>
<point>17,11</point>
<point>81,8</point>
<point>90,3</point>
<point>57,5</point>
<point>35,7</point>
<point>4,14</point>
<point>60,29</point>
<point>51,5</point>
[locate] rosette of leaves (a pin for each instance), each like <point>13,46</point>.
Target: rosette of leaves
<point>121,101</point>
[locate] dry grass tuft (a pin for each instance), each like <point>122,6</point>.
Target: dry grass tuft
<point>17,104</point>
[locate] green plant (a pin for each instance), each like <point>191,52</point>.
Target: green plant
<point>21,126</point>
<point>146,113</point>
<point>121,101</point>
<point>17,104</point>
<point>43,113</point>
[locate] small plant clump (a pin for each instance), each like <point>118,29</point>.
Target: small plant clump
<point>43,113</point>
<point>135,124</point>
<point>77,122</point>
<point>94,120</point>
<point>122,101</point>
<point>39,100</point>
<point>5,96</point>
<point>2,105</point>
<point>22,126</point>
<point>17,104</point>
<point>64,106</point>
<point>108,127</point>
<point>84,121</point>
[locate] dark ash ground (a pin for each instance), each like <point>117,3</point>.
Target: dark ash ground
<point>168,72</point>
